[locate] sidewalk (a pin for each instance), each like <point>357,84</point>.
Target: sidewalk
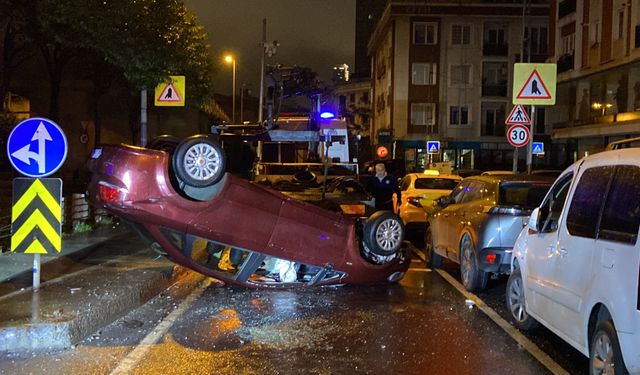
<point>100,277</point>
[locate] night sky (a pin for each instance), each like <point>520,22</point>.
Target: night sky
<point>314,33</point>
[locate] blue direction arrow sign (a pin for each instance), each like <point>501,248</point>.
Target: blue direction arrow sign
<point>537,148</point>
<point>433,147</point>
<point>37,147</point>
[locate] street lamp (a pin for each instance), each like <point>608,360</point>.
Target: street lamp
<point>231,59</point>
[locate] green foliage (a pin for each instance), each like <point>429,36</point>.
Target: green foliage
<point>81,227</point>
<point>147,40</point>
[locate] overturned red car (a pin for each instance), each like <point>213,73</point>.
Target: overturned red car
<point>233,230</point>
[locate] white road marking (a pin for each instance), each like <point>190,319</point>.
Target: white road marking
<point>140,351</point>
<point>529,346</point>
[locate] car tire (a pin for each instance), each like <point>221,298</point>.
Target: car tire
<point>433,259</point>
<point>604,350</point>
<point>514,298</point>
<point>472,277</point>
<point>383,233</point>
<point>166,143</point>
<point>199,161</point>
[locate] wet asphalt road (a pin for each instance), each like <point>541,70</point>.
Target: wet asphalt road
<point>421,325</point>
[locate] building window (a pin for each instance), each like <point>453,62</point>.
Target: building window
<point>620,24</point>
<point>493,116</point>
<point>495,76</point>
<point>460,75</point>
<point>423,73</point>
<point>495,42</point>
<point>458,115</point>
<point>537,36</point>
<point>568,44</point>
<point>460,35</point>
<point>425,33</point>
<point>594,35</point>
<point>423,113</point>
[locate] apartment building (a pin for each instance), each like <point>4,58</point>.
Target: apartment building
<point>596,44</point>
<point>442,70</point>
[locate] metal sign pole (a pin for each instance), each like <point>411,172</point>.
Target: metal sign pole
<point>530,143</point>
<point>36,272</point>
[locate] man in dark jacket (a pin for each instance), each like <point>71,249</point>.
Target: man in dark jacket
<point>382,186</point>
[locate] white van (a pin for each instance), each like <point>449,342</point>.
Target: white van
<point>575,267</point>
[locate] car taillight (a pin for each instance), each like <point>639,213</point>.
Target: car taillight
<point>110,193</point>
<point>414,201</point>
<point>508,210</point>
<point>491,258</point>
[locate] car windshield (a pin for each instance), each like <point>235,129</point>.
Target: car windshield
<point>436,183</point>
<point>523,194</point>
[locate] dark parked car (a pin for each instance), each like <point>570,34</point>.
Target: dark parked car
<point>233,230</point>
<point>477,224</point>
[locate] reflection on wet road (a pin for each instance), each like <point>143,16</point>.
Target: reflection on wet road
<point>421,325</point>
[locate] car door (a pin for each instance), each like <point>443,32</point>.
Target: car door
<point>616,257</point>
<point>440,221</point>
<point>453,216</point>
<point>573,254</point>
<point>541,246</point>
<point>405,186</point>
<point>467,212</point>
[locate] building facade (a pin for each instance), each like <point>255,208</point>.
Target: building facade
<point>443,71</point>
<point>596,44</point>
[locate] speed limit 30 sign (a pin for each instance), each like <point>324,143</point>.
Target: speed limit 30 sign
<point>518,135</point>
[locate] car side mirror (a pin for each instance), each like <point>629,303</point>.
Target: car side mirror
<point>443,201</point>
<point>534,220</point>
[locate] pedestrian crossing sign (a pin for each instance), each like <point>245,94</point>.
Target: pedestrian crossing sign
<point>537,148</point>
<point>534,84</point>
<point>518,116</point>
<point>433,147</point>
<point>170,93</point>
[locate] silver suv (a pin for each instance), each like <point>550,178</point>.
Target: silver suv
<point>477,224</point>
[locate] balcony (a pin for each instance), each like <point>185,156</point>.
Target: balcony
<point>494,90</point>
<point>565,62</point>
<point>566,7</point>
<point>494,49</point>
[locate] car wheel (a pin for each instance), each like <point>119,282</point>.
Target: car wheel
<point>516,302</point>
<point>383,233</point>
<point>605,356</point>
<point>166,143</point>
<point>434,260</point>
<point>472,278</point>
<point>199,161</point>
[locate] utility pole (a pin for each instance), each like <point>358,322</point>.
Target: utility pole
<point>143,118</point>
<point>262,53</point>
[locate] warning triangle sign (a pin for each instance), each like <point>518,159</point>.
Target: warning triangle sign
<point>518,116</point>
<point>169,94</point>
<point>534,88</point>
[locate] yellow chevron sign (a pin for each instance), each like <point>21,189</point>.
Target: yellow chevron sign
<point>36,216</point>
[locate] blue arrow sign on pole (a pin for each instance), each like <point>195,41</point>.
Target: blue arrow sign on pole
<point>37,147</point>
<point>433,147</point>
<point>537,148</point>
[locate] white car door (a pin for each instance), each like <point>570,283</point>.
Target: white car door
<point>573,255</point>
<point>539,260</point>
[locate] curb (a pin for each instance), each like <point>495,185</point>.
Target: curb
<point>69,309</point>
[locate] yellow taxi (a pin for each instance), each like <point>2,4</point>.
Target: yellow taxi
<point>421,189</point>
